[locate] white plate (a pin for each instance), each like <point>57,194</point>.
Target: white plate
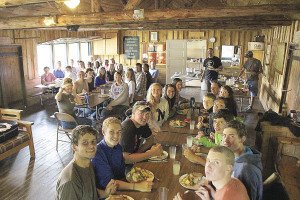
<point>162,157</point>
<point>194,187</point>
<point>111,197</point>
<point>150,178</point>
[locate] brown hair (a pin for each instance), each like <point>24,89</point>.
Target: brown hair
<point>81,130</point>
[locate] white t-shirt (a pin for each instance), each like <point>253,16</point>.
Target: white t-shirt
<point>131,86</point>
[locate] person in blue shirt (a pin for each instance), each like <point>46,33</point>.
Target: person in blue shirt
<point>101,78</point>
<point>109,162</point>
<point>58,73</point>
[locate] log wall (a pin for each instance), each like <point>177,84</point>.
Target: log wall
<point>272,84</point>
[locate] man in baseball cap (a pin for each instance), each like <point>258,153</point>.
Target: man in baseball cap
<point>137,137</point>
<point>253,68</point>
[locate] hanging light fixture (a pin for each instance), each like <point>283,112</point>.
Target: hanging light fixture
<point>50,21</point>
<point>72,3</point>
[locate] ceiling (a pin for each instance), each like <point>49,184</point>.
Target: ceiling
<point>158,14</point>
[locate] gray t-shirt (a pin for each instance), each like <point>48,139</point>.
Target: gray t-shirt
<point>254,66</point>
<point>76,182</point>
<point>66,104</point>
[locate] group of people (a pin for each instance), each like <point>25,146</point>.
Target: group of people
<point>234,171</point>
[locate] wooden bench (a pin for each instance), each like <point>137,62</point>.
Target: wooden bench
<point>22,140</point>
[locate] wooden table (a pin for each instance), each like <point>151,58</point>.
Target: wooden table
<point>183,130</point>
<point>164,170</point>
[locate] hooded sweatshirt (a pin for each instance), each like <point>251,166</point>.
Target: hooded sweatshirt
<point>248,169</point>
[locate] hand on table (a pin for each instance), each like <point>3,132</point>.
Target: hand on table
<point>205,192</point>
<point>111,187</point>
<point>144,186</point>
<point>156,150</point>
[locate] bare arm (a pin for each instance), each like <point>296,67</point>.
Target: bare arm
<point>144,186</point>
<point>155,150</point>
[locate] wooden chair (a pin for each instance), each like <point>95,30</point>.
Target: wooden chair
<point>23,139</point>
<point>66,118</point>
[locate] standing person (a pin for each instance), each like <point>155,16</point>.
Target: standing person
<point>141,83</point>
<point>137,138</point>
<point>169,94</point>
<point>109,162</point>
<point>212,65</point>
<point>159,105</point>
<point>148,75</point>
<point>253,68</point>
<point>101,78</point>
<point>248,166</point>
<point>218,170</point>
<point>58,73</point>
<point>47,78</point>
<point>77,180</point>
<point>131,84</point>
<point>154,72</point>
<point>120,102</point>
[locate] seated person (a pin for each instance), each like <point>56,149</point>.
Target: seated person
<point>248,166</point>
<point>65,100</point>
<point>159,105</point>
<point>137,137</point>
<point>227,92</point>
<point>208,103</point>
<point>177,82</point>
<point>130,79</point>
<point>70,74</point>
<point>220,120</point>
<point>89,77</point>
<point>110,73</point>
<point>58,73</point>
<point>169,94</point>
<point>81,85</point>
<point>47,78</point>
<point>101,78</point>
<point>120,101</point>
<point>215,87</point>
<point>109,162</point>
<point>154,72</point>
<point>77,180</point>
<point>218,170</point>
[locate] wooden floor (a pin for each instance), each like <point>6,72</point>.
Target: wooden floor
<point>22,178</point>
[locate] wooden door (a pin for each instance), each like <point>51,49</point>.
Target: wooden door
<point>176,58</point>
<point>12,84</point>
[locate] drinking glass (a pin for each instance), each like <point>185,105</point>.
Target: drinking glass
<point>183,148</point>
<point>192,125</point>
<point>163,193</point>
<point>172,152</point>
<point>189,141</point>
<point>176,167</point>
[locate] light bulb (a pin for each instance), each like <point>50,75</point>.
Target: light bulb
<point>72,3</point>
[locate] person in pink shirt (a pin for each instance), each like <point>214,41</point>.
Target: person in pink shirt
<point>47,78</point>
<point>218,170</point>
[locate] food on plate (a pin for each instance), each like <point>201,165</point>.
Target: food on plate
<point>119,197</point>
<point>177,123</point>
<point>183,111</point>
<point>196,148</point>
<point>163,156</point>
<point>138,174</point>
<point>191,179</point>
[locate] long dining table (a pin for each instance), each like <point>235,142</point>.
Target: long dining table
<point>163,170</point>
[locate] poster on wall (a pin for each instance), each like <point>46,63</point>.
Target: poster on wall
<point>131,47</point>
<point>278,57</point>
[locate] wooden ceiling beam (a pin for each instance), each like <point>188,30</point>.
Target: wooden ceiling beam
<point>9,3</point>
<point>132,4</point>
<point>151,15</point>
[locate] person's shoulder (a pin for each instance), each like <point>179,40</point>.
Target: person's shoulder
<point>68,174</point>
<point>127,123</point>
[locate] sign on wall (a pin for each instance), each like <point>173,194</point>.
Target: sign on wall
<point>132,47</point>
<point>253,46</point>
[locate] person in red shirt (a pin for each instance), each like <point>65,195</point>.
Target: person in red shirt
<point>218,170</point>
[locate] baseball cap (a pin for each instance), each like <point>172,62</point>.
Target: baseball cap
<point>249,54</point>
<point>142,106</point>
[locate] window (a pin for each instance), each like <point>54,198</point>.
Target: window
<point>44,53</point>
<point>85,52</point>
<point>73,52</point>
<point>60,54</point>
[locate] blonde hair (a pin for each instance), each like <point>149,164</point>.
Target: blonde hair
<point>228,154</point>
<point>149,96</point>
<point>108,121</point>
<point>67,81</point>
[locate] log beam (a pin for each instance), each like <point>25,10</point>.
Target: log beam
<point>9,3</point>
<point>151,15</point>
<point>131,4</point>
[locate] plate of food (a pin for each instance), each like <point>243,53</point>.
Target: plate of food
<point>103,95</point>
<point>119,197</point>
<point>163,156</point>
<point>177,123</point>
<point>137,174</point>
<point>182,111</point>
<point>191,181</point>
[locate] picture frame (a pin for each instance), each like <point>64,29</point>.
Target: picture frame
<point>154,36</point>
